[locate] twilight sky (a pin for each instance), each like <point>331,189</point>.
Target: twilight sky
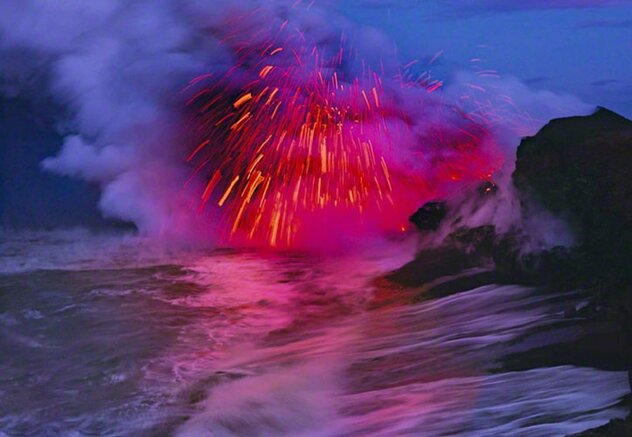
<point>581,47</point>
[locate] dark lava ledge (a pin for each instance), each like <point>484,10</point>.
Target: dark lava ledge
<point>577,168</point>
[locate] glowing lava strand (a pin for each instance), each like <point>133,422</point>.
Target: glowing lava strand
<point>293,142</point>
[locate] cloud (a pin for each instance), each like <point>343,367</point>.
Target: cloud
<point>499,5</point>
<point>536,80</point>
<point>457,9</point>
<point>624,23</point>
<point>535,4</point>
<point>516,5</point>
<point>605,82</point>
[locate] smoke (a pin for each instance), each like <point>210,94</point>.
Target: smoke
<point>520,112</point>
<point>121,70</point>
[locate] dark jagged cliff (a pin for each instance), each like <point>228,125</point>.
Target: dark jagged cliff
<point>579,168</point>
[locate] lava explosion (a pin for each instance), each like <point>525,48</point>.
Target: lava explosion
<point>294,142</point>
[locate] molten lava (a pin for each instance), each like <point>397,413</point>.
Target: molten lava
<point>294,144</point>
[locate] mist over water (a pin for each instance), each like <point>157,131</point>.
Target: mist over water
<point>104,334</point>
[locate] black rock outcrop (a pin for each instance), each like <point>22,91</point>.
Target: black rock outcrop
<point>429,216</point>
<point>579,168</point>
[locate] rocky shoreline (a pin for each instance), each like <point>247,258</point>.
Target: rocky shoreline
<point>576,168</point>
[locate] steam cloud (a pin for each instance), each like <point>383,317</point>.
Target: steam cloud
<point>120,68</point>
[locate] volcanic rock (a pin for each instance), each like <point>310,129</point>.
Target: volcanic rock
<point>578,168</point>
<point>429,216</point>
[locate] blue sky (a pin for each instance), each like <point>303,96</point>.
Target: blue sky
<point>581,47</point>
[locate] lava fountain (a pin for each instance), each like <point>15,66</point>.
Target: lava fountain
<point>299,142</point>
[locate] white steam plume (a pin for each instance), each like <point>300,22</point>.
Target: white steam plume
<point>119,68</point>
